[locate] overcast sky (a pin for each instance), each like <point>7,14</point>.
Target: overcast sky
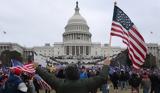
<point>36,22</point>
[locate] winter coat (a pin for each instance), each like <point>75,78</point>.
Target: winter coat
<point>135,80</point>
<point>74,86</point>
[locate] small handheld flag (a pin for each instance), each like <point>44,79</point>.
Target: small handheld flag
<point>23,67</point>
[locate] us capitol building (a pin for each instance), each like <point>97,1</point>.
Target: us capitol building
<point>76,43</point>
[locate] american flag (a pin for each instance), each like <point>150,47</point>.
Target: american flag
<point>42,83</point>
<point>123,27</point>
<point>29,68</point>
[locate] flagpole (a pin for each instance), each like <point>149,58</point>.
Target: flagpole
<point>110,40</point>
<point>115,3</point>
<point>109,47</point>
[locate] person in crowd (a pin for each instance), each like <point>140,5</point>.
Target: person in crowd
<point>15,84</point>
<point>122,79</point>
<point>28,79</point>
<point>158,87</point>
<point>83,73</point>
<point>72,83</point>
<point>155,82</point>
<point>105,88</point>
<point>114,78</point>
<point>37,87</point>
<point>146,83</point>
<point>92,73</point>
<point>31,86</point>
<point>3,79</point>
<point>127,77</point>
<point>60,73</point>
<point>153,77</point>
<point>135,81</point>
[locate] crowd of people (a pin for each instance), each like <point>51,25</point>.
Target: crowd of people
<point>146,79</point>
<point>21,78</point>
<point>80,79</point>
<point>122,78</point>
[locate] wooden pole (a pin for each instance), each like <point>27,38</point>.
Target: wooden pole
<point>110,39</point>
<point>109,46</point>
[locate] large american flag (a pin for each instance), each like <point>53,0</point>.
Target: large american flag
<point>29,68</point>
<point>123,27</point>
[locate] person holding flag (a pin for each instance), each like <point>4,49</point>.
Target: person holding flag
<point>14,83</point>
<point>72,82</point>
<point>124,28</point>
<point>27,69</point>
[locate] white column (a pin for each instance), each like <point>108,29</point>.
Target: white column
<point>69,37</point>
<point>65,50</point>
<point>89,50</point>
<point>75,50</point>
<point>70,50</point>
<point>79,50</point>
<point>82,36</point>
<point>84,50</point>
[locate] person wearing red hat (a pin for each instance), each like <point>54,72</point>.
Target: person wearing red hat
<point>17,71</point>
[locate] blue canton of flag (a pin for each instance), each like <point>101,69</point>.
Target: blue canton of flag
<point>122,18</point>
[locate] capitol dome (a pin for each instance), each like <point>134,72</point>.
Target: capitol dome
<point>77,18</point>
<point>77,38</point>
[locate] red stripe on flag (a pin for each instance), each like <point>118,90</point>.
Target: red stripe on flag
<point>136,55</point>
<point>137,41</point>
<point>137,33</point>
<point>136,49</point>
<point>116,30</point>
<point>135,65</point>
<point>117,25</point>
